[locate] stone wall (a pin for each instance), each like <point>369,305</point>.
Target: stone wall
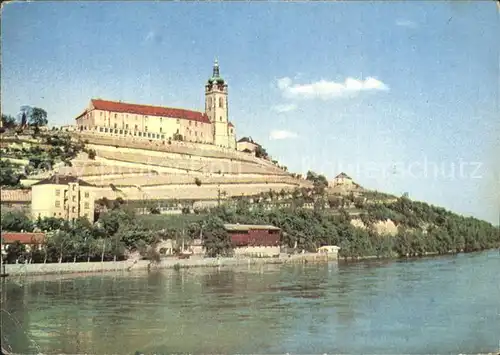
<point>205,192</point>
<point>195,149</point>
<point>17,195</point>
<point>264,251</point>
<point>167,263</point>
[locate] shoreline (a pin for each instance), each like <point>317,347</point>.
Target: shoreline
<point>84,268</point>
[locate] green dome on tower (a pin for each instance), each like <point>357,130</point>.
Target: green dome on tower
<point>216,78</point>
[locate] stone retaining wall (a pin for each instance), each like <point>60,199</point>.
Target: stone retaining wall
<point>170,263</point>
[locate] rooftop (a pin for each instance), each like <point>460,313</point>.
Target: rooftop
<point>24,238</point>
<point>246,227</point>
<point>247,139</point>
<point>62,180</point>
<point>342,176</point>
<point>148,110</point>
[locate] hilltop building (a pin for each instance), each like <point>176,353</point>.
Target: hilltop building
<point>127,120</point>
<point>247,144</point>
<point>62,197</point>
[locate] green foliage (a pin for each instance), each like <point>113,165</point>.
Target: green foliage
<point>15,251</point>
<point>320,183</point>
<point>16,221</point>
<point>37,117</point>
<point>92,154</point>
<point>261,152</point>
<point>215,238</point>
<point>9,174</point>
<point>8,121</point>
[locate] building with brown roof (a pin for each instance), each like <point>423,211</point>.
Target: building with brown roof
<point>31,240</point>
<point>254,240</point>
<point>128,120</point>
<point>247,144</point>
<point>63,197</point>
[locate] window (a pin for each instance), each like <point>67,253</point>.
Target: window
<point>116,126</point>
<point>178,121</point>
<point>116,131</point>
<point>161,119</point>
<point>196,124</point>
<point>220,118</point>
<point>201,134</point>
<point>73,209</point>
<point>161,130</point>
<point>140,134</point>
<point>136,127</point>
<point>73,198</point>
<point>86,205</point>
<point>100,129</point>
<point>121,131</point>
<point>58,192</point>
<point>196,133</point>
<point>135,134</point>
<point>87,194</point>
<point>58,203</point>
<point>116,116</point>
<point>221,102</point>
<point>162,136</point>
<point>74,187</point>
<point>100,113</point>
<point>126,126</point>
<point>190,123</point>
<point>146,128</point>
<point>149,135</point>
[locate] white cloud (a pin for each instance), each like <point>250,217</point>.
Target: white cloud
<point>406,23</point>
<point>282,134</point>
<point>284,108</point>
<point>326,90</point>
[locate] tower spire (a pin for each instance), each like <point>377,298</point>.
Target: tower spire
<point>215,73</point>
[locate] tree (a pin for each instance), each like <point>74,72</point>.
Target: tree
<point>8,174</point>
<point>215,238</point>
<point>15,251</point>
<point>16,221</point>
<point>8,121</point>
<point>92,154</point>
<point>320,183</point>
<point>37,117</point>
<point>261,152</point>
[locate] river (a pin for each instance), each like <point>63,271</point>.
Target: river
<point>443,305</point>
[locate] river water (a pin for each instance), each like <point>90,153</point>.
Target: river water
<point>446,305</point>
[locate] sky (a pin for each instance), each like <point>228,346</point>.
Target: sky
<point>401,96</point>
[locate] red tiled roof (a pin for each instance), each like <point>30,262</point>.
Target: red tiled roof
<point>24,238</point>
<point>150,110</point>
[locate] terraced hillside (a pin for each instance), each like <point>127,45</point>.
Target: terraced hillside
<point>137,170</point>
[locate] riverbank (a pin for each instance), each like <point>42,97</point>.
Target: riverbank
<point>167,263</point>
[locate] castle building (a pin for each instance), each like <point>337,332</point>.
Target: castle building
<point>127,120</point>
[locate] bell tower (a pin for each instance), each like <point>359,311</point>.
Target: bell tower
<point>216,107</point>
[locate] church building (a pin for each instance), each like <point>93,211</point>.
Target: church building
<point>127,120</point>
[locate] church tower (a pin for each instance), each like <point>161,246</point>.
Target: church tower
<point>216,107</point>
